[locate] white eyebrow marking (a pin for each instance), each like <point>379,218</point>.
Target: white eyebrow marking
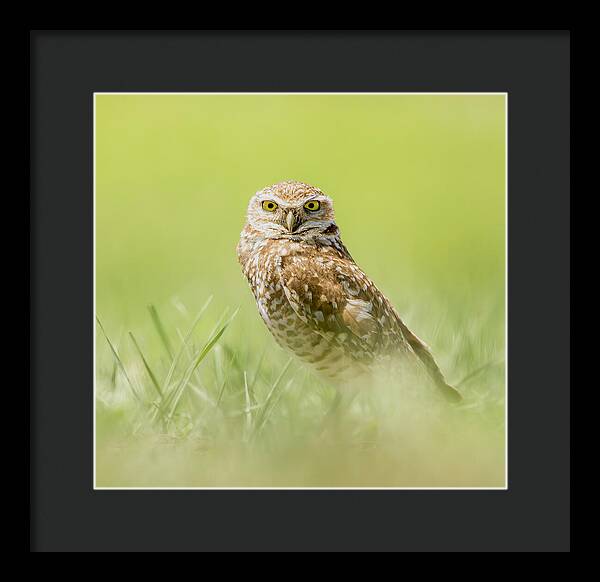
<point>263,197</point>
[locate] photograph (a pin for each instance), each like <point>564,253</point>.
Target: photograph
<point>300,291</point>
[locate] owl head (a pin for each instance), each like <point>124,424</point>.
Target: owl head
<point>291,210</point>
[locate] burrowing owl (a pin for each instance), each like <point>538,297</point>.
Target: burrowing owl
<point>311,294</point>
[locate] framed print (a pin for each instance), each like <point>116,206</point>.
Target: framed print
<point>300,273</point>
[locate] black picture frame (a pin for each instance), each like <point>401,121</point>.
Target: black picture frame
<point>67,67</point>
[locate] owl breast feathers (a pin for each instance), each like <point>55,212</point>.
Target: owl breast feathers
<point>313,297</point>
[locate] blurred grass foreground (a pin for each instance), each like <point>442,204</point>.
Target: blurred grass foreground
<point>191,390</point>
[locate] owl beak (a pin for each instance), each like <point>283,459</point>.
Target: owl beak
<point>290,220</point>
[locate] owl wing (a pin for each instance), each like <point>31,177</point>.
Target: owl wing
<point>338,301</point>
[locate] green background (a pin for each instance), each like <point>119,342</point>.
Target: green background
<point>417,181</point>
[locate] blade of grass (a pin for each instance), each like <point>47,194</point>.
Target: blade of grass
<point>233,358</point>
<point>184,344</point>
<point>265,407</point>
<point>202,395</point>
<point>253,383</point>
<point>216,367</point>
<point>178,391</point>
<point>221,370</point>
<point>273,405</point>
<point>248,406</point>
<point>115,366</point>
<point>160,330</point>
<point>175,394</point>
<point>242,412</point>
<point>221,392</point>
<point>221,319</point>
<point>119,362</point>
<point>218,363</point>
<point>190,354</point>
<point>146,365</point>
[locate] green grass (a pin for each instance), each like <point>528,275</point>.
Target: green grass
<point>223,412</point>
<point>191,390</point>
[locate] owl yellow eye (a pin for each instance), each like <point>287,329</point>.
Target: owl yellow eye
<point>269,205</point>
<point>312,205</point>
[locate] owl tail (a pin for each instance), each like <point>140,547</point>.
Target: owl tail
<point>422,351</point>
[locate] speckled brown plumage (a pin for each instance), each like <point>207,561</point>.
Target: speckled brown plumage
<point>311,294</point>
